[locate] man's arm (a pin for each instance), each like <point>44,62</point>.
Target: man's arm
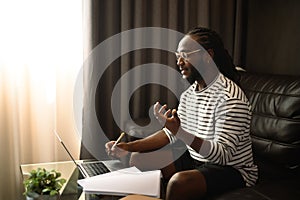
<point>153,142</point>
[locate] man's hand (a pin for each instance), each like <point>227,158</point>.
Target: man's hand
<point>118,152</point>
<point>168,118</point>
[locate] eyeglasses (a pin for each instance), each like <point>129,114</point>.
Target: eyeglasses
<point>185,55</point>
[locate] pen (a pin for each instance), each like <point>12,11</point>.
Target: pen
<point>118,140</point>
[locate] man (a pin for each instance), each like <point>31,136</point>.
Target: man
<point>213,120</point>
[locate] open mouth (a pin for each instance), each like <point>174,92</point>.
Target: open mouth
<point>183,70</point>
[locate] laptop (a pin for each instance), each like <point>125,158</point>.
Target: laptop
<point>93,168</point>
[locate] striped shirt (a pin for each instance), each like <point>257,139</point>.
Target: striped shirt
<point>220,114</point>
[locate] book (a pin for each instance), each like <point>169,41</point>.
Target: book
<point>124,182</point>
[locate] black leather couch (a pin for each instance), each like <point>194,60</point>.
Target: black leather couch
<point>275,131</point>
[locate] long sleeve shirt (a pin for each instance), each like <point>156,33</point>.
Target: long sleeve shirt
<point>220,114</point>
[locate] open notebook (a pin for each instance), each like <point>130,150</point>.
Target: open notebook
<point>124,182</point>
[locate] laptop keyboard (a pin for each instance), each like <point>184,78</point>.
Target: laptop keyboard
<point>95,168</point>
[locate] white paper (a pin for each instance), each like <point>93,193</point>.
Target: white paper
<point>123,182</point>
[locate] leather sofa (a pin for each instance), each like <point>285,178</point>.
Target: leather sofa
<point>275,132</point>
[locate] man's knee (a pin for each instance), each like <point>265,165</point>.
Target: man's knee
<point>141,161</point>
<point>178,180</point>
<point>151,160</point>
<point>135,159</point>
<point>186,185</point>
<point>176,187</point>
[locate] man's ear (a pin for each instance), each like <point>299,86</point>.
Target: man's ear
<point>209,55</point>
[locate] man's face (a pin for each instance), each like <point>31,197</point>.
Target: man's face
<point>193,58</point>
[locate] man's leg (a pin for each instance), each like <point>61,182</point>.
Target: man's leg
<point>161,159</point>
<point>207,179</point>
<point>171,159</point>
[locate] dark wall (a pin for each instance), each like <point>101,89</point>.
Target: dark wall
<point>273,36</point>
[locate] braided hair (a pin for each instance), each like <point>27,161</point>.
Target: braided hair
<point>209,39</point>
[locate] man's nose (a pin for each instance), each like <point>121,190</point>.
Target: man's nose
<point>180,61</point>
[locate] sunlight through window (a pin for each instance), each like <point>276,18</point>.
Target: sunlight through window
<point>44,37</point>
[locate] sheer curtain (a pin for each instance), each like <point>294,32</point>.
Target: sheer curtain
<point>40,57</point>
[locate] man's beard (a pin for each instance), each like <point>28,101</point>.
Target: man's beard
<point>194,76</point>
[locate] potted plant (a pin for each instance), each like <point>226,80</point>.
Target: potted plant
<point>43,184</point>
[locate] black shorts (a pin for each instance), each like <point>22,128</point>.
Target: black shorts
<point>218,178</point>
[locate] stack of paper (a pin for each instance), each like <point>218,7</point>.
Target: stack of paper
<point>123,182</point>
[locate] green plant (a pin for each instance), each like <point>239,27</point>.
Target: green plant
<point>43,182</point>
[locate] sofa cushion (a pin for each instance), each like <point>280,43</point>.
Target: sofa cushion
<point>275,122</point>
